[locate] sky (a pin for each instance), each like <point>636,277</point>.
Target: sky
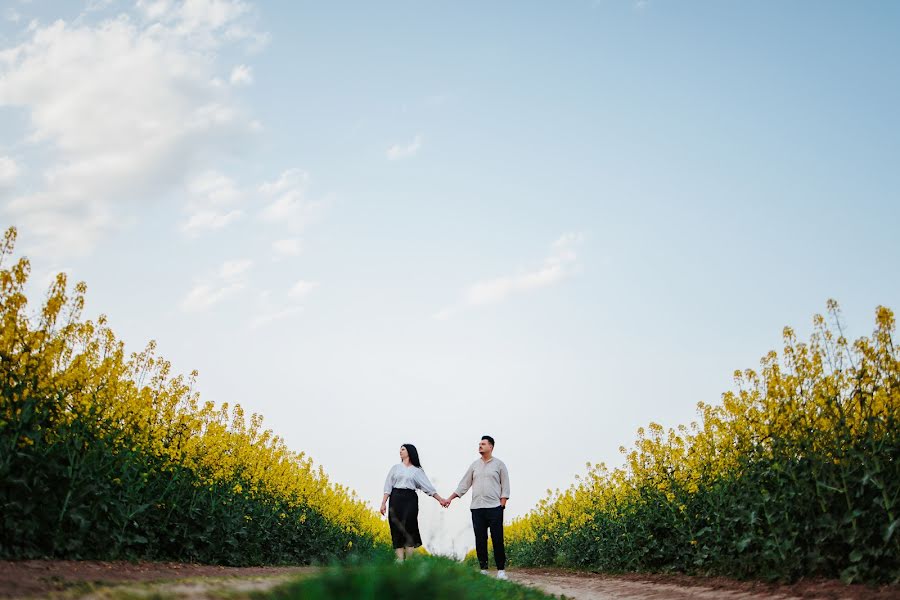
<point>422,222</point>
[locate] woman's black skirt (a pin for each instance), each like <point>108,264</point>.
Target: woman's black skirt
<point>403,516</point>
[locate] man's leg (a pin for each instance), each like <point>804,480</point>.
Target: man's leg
<point>480,525</point>
<point>496,525</point>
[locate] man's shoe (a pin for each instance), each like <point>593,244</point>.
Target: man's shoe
<point>501,574</point>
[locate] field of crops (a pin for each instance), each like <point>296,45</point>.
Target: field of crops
<point>796,473</point>
<point>104,455</point>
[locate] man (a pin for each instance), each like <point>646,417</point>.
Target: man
<point>489,481</point>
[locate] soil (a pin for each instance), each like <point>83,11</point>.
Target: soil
<point>593,586</point>
<point>90,579</point>
<point>38,578</point>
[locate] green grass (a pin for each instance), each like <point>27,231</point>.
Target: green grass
<point>420,577</point>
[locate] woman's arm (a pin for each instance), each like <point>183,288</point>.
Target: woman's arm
<point>388,486</point>
<point>424,484</point>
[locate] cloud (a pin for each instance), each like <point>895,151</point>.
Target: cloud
<point>9,171</point>
<point>266,318</point>
<point>302,288</point>
<point>398,151</point>
<point>234,269</point>
<point>208,22</point>
<point>286,201</point>
<point>560,264</point>
<point>213,200</point>
<point>95,5</point>
<point>126,109</point>
<point>205,295</point>
<point>285,248</point>
<point>209,220</point>
<point>229,279</point>
<point>267,313</point>
<point>241,75</point>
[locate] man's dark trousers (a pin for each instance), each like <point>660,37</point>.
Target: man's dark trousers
<point>482,520</point>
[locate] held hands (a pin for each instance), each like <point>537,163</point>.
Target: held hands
<point>445,502</point>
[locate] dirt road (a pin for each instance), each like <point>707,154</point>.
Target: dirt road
<point>590,586</point>
<point>602,588</point>
<point>97,580</point>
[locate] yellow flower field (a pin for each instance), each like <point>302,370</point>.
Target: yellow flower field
<point>794,474</point>
<point>108,455</point>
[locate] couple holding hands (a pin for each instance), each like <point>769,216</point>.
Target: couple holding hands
<point>489,481</point>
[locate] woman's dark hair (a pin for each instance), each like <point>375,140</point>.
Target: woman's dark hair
<point>413,455</point>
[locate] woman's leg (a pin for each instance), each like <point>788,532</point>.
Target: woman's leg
<point>399,552</point>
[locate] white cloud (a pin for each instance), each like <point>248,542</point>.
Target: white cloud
<point>204,295</point>
<point>446,313</point>
<point>207,220</point>
<point>127,109</point>
<point>398,151</point>
<point>286,201</point>
<point>265,318</point>
<point>229,279</point>
<point>208,22</point>
<point>267,313</point>
<point>302,288</point>
<point>289,181</point>
<point>9,170</point>
<point>286,247</point>
<point>233,269</point>
<point>241,75</point>
<point>561,263</point>
<point>212,203</point>
<point>95,5</point>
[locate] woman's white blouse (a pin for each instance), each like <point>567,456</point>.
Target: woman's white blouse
<point>408,478</point>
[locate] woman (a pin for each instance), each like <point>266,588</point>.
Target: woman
<point>400,486</point>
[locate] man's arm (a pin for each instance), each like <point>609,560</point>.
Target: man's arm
<point>464,484</point>
<point>504,485</point>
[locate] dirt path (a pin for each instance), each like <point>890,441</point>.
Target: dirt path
<point>97,580</point>
<point>40,578</point>
<point>602,588</point>
<point>589,586</point>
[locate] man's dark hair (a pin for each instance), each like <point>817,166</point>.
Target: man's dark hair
<point>489,439</point>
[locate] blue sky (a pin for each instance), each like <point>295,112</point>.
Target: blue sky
<point>378,223</point>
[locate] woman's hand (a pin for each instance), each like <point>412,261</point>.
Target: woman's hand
<point>383,508</point>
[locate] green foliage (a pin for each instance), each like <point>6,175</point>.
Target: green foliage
<point>797,474</point>
<point>429,577</point>
<point>107,457</point>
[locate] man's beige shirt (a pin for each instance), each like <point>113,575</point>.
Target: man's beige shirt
<point>489,482</point>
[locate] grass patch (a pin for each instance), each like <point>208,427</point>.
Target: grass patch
<point>429,577</point>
